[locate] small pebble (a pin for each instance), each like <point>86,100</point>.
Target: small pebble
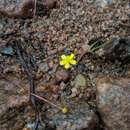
<point>50,64</point>
<point>7,51</point>
<point>80,81</point>
<point>62,85</point>
<point>62,75</point>
<point>43,67</point>
<point>74,92</point>
<point>103,3</point>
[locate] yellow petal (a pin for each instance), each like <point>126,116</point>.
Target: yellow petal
<point>67,66</point>
<point>67,59</point>
<point>71,56</point>
<point>73,62</point>
<point>62,62</point>
<point>65,110</point>
<point>63,57</point>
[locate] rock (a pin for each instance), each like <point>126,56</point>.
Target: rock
<point>51,64</point>
<point>62,86</point>
<point>43,67</point>
<point>80,81</point>
<point>23,8</point>
<point>16,8</point>
<point>29,126</point>
<point>62,75</point>
<point>7,51</point>
<point>103,3</point>
<point>49,4</point>
<point>14,93</point>
<point>89,93</point>
<point>118,49</point>
<point>15,108</point>
<point>75,92</point>
<point>13,98</point>
<point>80,117</point>
<point>113,101</point>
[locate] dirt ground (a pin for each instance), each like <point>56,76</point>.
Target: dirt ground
<point>69,28</point>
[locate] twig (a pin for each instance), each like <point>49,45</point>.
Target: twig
<point>24,63</point>
<point>44,99</point>
<point>5,35</point>
<point>124,25</point>
<point>35,7</point>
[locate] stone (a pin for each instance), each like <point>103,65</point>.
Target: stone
<point>23,8</point>
<point>103,3</point>
<point>62,75</point>
<point>113,102</point>
<point>13,97</point>
<point>75,92</point>
<point>7,51</point>
<point>79,117</point>
<point>43,67</point>
<point>62,86</point>
<point>80,81</point>
<point>16,8</point>
<point>118,49</point>
<point>50,3</point>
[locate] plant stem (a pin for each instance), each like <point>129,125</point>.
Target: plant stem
<point>43,99</point>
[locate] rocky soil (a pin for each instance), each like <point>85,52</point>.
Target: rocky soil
<point>95,92</point>
<point>113,102</point>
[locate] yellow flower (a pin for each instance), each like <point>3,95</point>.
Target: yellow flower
<point>65,110</point>
<point>67,61</point>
